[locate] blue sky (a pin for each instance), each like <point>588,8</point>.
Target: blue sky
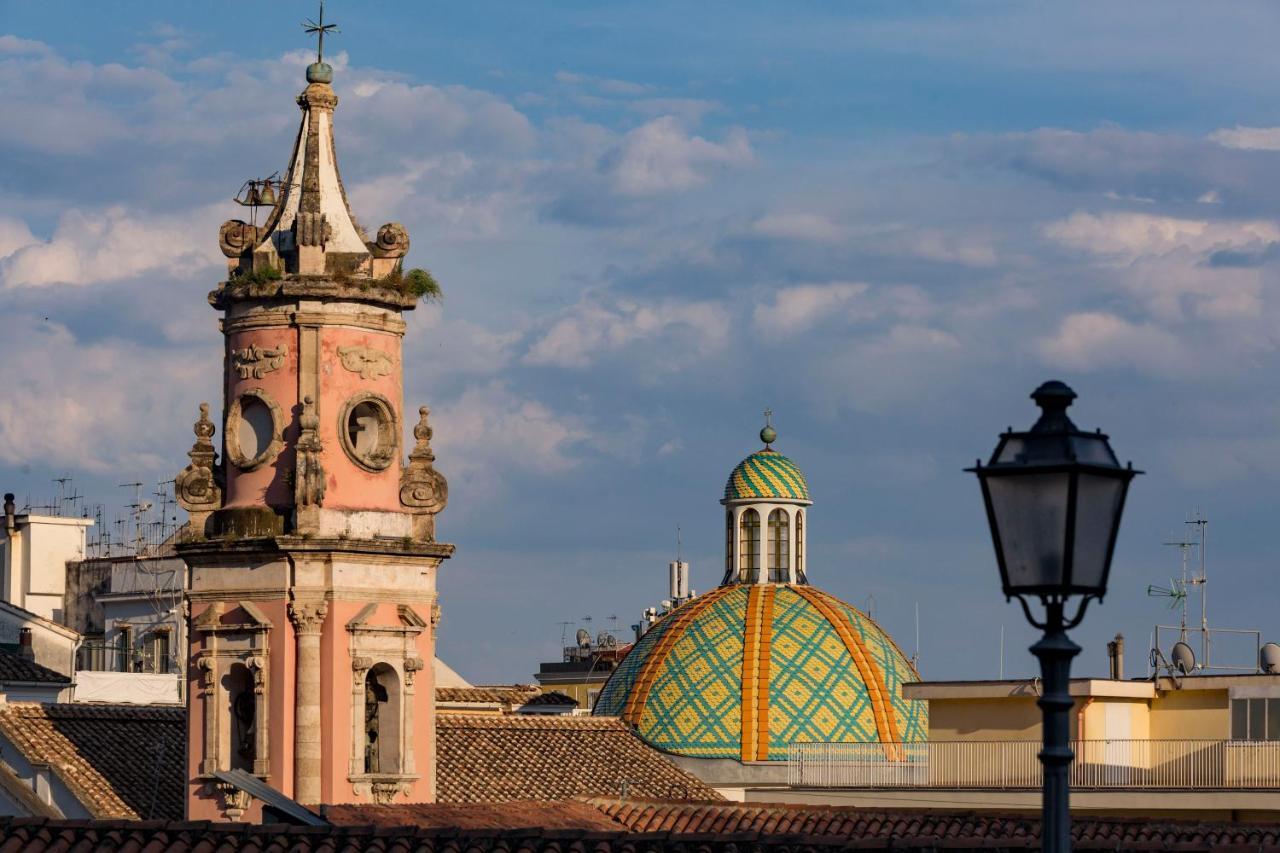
<point>887,221</point>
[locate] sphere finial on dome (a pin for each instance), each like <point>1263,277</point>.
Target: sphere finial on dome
<point>768,435</point>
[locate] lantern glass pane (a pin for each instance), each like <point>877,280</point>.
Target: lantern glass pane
<point>1090,449</point>
<point>1010,451</point>
<point>1097,512</point>
<point>1031,516</point>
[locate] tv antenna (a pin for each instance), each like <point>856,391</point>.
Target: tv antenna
<point>1190,547</point>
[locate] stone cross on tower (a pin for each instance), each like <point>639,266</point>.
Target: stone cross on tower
<point>311,541</point>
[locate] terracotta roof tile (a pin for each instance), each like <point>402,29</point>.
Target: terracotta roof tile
<point>875,829</point>
<point>493,758</point>
<point>565,814</point>
<point>516,694</point>
<point>890,832</point>
<point>120,760</point>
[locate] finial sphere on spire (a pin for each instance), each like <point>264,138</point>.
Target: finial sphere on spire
<point>768,435</point>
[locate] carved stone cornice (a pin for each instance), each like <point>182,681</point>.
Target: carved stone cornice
<point>256,361</point>
<point>311,287</point>
<point>277,319</point>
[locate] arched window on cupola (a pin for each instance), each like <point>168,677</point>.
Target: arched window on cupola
<point>800,578</point>
<point>749,546</point>
<point>779,546</point>
<point>728,547</point>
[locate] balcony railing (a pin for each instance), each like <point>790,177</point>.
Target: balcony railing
<point>1015,765</point>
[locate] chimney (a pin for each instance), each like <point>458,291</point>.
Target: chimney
<point>1115,657</point>
<point>25,650</point>
<point>10,510</point>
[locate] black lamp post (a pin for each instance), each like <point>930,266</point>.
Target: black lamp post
<point>1054,497</point>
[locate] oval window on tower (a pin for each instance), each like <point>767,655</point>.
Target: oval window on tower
<point>254,429</point>
<point>369,432</point>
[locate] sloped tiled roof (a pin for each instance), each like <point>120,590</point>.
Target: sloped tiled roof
<point>553,698</point>
<point>872,831</point>
<point>121,761</point>
<point>14,667</point>
<point>496,694</point>
<point>565,814</point>
<point>497,758</point>
<point>879,829</point>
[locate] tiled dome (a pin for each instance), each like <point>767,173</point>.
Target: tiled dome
<point>766,474</point>
<point>746,670</point>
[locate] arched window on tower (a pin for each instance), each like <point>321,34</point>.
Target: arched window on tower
<point>242,733</point>
<point>749,546</point>
<point>779,546</point>
<point>382,720</point>
<point>800,578</point>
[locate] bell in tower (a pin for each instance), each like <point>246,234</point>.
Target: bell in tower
<point>311,540</point>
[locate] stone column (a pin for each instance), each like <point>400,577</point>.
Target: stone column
<point>308,617</point>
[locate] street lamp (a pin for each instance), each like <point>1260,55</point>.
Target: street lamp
<point>1054,496</point>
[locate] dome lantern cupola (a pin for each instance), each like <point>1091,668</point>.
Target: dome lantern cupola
<point>765,500</point>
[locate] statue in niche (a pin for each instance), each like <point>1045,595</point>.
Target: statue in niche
<point>375,697</point>
<point>244,730</point>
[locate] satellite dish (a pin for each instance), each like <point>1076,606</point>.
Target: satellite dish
<point>1184,657</point>
<point>605,640</point>
<point>584,638</point>
<point>1269,658</point>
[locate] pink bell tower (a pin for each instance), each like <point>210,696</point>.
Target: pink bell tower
<point>311,543</point>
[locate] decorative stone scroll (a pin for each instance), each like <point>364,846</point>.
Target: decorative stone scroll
<point>422,487</point>
<point>236,237</point>
<point>309,478</point>
<point>393,241</point>
<point>370,363</point>
<point>198,487</point>
<point>257,361</point>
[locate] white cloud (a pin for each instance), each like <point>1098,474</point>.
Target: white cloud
<point>1133,235</point>
<point>77,404</point>
<point>491,432</point>
<point>14,235</point>
<point>1098,340</point>
<point>808,227</point>
<point>91,246</point>
<point>1249,138</point>
<point>797,309</point>
<point>660,157</point>
<point>594,327</point>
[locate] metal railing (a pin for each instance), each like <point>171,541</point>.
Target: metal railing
<point>1015,764</point>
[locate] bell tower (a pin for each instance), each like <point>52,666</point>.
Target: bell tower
<point>311,542</point>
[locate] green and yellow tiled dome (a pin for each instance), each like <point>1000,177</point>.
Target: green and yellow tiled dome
<point>746,670</point>
<point>766,474</point>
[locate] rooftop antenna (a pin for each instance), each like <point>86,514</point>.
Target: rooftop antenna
<point>678,544</point>
<point>915,656</point>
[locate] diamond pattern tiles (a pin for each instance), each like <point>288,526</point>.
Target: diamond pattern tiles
<point>696,699</point>
<point>745,671</point>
